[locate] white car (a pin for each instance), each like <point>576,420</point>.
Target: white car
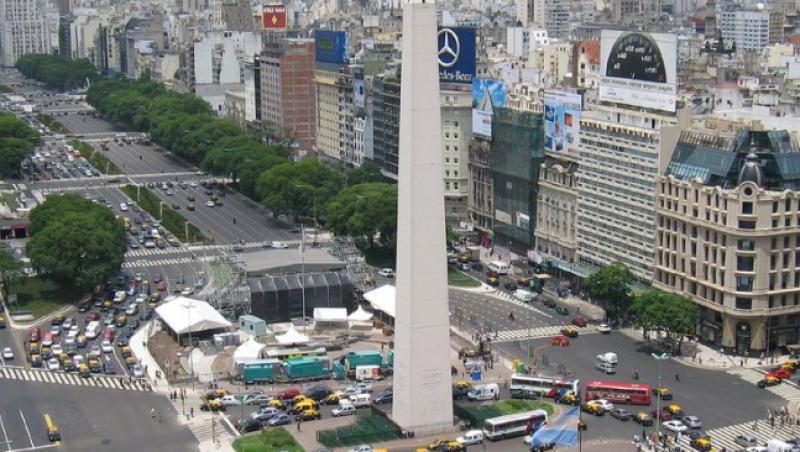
<point>123,207</point>
<point>757,449</point>
<point>604,404</point>
<point>280,245</point>
<point>107,347</point>
<point>140,298</point>
<point>57,349</point>
<point>55,330</point>
<point>344,410</point>
<point>7,353</point>
<point>746,440</point>
<point>187,291</point>
<point>52,364</point>
<point>603,328</point>
<point>209,203</point>
<point>362,448</point>
<point>386,272</point>
<point>675,426</point>
<point>230,400</point>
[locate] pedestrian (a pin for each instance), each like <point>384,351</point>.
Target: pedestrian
<point>191,411</point>
<point>755,426</point>
<point>644,434</point>
<point>153,413</point>
<point>635,438</point>
<point>677,378</point>
<point>299,421</point>
<point>741,362</point>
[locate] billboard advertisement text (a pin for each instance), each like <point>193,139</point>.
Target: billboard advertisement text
<point>562,117</point>
<point>487,94</point>
<point>274,17</point>
<point>639,69</point>
<point>456,50</point>
<point>331,46</point>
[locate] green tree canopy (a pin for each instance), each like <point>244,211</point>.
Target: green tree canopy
<point>57,72</point>
<point>365,174</point>
<point>17,140</point>
<point>610,286</point>
<point>666,312</point>
<point>76,242</point>
<point>299,189</point>
<point>9,269</point>
<point>365,211</point>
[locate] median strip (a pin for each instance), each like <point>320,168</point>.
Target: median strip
<point>95,158</point>
<point>51,123</point>
<point>172,221</point>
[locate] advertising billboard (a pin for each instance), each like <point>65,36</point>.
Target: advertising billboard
<point>639,69</point>
<point>487,94</point>
<point>331,46</point>
<point>456,50</point>
<point>359,93</point>
<point>274,17</point>
<point>562,119</point>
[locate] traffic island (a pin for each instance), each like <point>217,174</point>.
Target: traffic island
<point>272,439</point>
<point>172,221</point>
<point>52,123</point>
<point>99,161</point>
<point>370,427</point>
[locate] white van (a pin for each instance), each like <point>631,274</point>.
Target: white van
<point>372,372</point>
<point>361,400</point>
<point>525,296</point>
<point>471,437</point>
<point>776,445</point>
<point>499,267</point>
<point>484,392</point>
<point>608,358</point>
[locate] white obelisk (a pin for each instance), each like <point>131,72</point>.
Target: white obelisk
<point>422,382</point>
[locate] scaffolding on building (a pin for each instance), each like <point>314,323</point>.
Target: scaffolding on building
<point>360,273</point>
<point>229,292</point>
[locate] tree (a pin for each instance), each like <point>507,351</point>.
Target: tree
<point>57,72</point>
<point>669,313</point>
<point>365,211</point>
<point>299,189</point>
<point>17,140</point>
<point>75,242</point>
<point>609,285</point>
<point>9,269</point>
<point>365,174</point>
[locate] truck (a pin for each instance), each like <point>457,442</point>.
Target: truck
<point>363,358</point>
<point>305,369</point>
<point>371,373</point>
<point>259,372</point>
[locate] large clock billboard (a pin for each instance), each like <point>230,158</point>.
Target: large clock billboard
<point>639,69</point>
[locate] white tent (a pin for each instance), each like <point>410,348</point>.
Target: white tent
<point>382,299</point>
<point>360,315</point>
<point>185,315</point>
<point>250,350</point>
<point>291,337</point>
<point>330,314</point>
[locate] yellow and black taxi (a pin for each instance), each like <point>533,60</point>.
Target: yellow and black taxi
<point>463,384</point>
<point>662,392</point>
<point>643,418</point>
<point>304,405</point>
<point>493,281</point>
<point>593,408</point>
<point>215,394</point>
<point>790,365</point>
<point>33,347</point>
<point>2,322</point>
<point>66,363</point>
<point>446,445</point>
<point>126,352</point>
<point>130,361</point>
<point>332,399</point>
<point>523,282</point>
<point>569,331</point>
<point>299,398</point>
<point>53,434</point>
<point>770,380</point>
<point>701,443</point>
<point>308,415</point>
<point>278,404</point>
<point>84,371</point>
<point>121,320</point>
<point>568,398</point>
<point>94,365</point>
<point>46,353</point>
<point>36,360</point>
<point>212,405</point>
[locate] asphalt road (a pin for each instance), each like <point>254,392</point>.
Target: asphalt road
<point>89,419</point>
<point>83,124</point>
<point>152,161</point>
<point>473,310</point>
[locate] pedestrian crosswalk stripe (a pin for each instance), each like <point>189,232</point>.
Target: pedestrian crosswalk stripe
<point>783,390</point>
<point>726,436</point>
<point>59,377</point>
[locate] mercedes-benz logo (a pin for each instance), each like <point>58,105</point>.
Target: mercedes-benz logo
<point>449,47</point>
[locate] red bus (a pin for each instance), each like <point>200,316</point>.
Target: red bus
<point>618,392</point>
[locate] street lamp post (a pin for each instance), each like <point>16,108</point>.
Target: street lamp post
<point>303,270</point>
<point>659,357</point>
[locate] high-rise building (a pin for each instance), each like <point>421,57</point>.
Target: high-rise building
<point>750,29</point>
<point>24,28</point>
<point>385,123</point>
<point>728,236</point>
<point>456,132</point>
<point>480,207</point>
<point>287,89</point>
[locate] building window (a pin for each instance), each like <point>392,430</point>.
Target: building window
<point>747,224</point>
<point>747,208</point>
<point>745,263</point>
<point>744,283</point>
<point>747,245</point>
<point>744,303</point>
<point>773,244</point>
<point>775,207</point>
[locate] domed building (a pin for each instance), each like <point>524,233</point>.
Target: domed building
<point>728,236</point>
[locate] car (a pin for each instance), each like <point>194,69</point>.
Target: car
<point>318,392</point>
<point>768,381</point>
<point>106,347</point>
<point>386,396</point>
<point>7,353</point>
<point>231,400</point>
<point>779,373</point>
<point>492,281</point>
<point>621,414</point>
<point>643,418</point>
<point>279,419</point>
<point>251,425</point>
<point>123,207</point>
<point>562,310</point>
<point>605,404</point>
<point>746,441</point>
<point>344,409</point>
<point>84,307</point>
<point>58,320</point>
<point>209,203</point>
<point>664,392</point>
<point>57,350</point>
<point>693,422</point>
<point>131,309</point>
<point>187,291</point>
<point>512,286</point>
<point>55,330</point>
<point>53,364</point>
<point>280,245</point>
<point>675,426</point>
<point>264,413</point>
<point>47,340</point>
<point>569,331</point>
<point>549,303</point>
<point>593,408</point>
<point>92,316</point>
<point>288,394</point>
<point>190,207</point>
<point>579,322</point>
<point>137,370</point>
<point>308,415</point>
<point>190,198</point>
<point>470,438</point>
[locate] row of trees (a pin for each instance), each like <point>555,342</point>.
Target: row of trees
<point>674,315</point>
<point>17,140</point>
<point>75,242</point>
<point>57,72</point>
<point>358,203</point>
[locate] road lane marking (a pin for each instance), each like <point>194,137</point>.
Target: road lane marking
<point>5,434</point>
<point>27,430</point>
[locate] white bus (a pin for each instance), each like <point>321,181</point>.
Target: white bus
<point>518,424</point>
<point>524,386</point>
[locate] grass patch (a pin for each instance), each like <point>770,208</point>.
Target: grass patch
<point>460,279</point>
<point>51,123</point>
<point>380,257</point>
<point>172,221</point>
<point>368,428</point>
<point>6,89</point>
<point>273,439</point>
<point>96,158</point>
<point>476,414</point>
<point>41,296</point>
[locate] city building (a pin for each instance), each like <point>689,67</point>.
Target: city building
<point>530,12</point>
<point>456,132</point>
<point>556,209</point>
<point>287,89</point>
<point>386,123</point>
<point>24,28</point>
<point>481,190</point>
<point>334,108</point>
<point>728,236</point>
<point>587,65</point>
<point>521,40</point>
<point>750,29</point>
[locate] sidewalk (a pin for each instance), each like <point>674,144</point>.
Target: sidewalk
<point>207,427</point>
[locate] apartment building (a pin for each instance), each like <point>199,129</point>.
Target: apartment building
<point>24,28</point>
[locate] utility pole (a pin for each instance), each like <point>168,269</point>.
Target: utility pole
<point>303,270</point>
<point>659,357</point>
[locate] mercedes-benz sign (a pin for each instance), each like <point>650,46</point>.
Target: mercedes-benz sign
<point>456,54</point>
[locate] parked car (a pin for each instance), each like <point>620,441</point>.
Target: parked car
<point>621,414</point>
<point>280,419</point>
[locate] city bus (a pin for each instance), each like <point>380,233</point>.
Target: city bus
<point>295,353</point>
<point>524,386</point>
<point>518,424</point>
<point>618,392</point>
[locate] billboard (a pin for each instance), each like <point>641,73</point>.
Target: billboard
<point>331,46</point>
<point>456,51</point>
<point>639,69</point>
<point>274,17</point>
<point>487,94</point>
<point>359,93</point>
<point>562,118</point>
